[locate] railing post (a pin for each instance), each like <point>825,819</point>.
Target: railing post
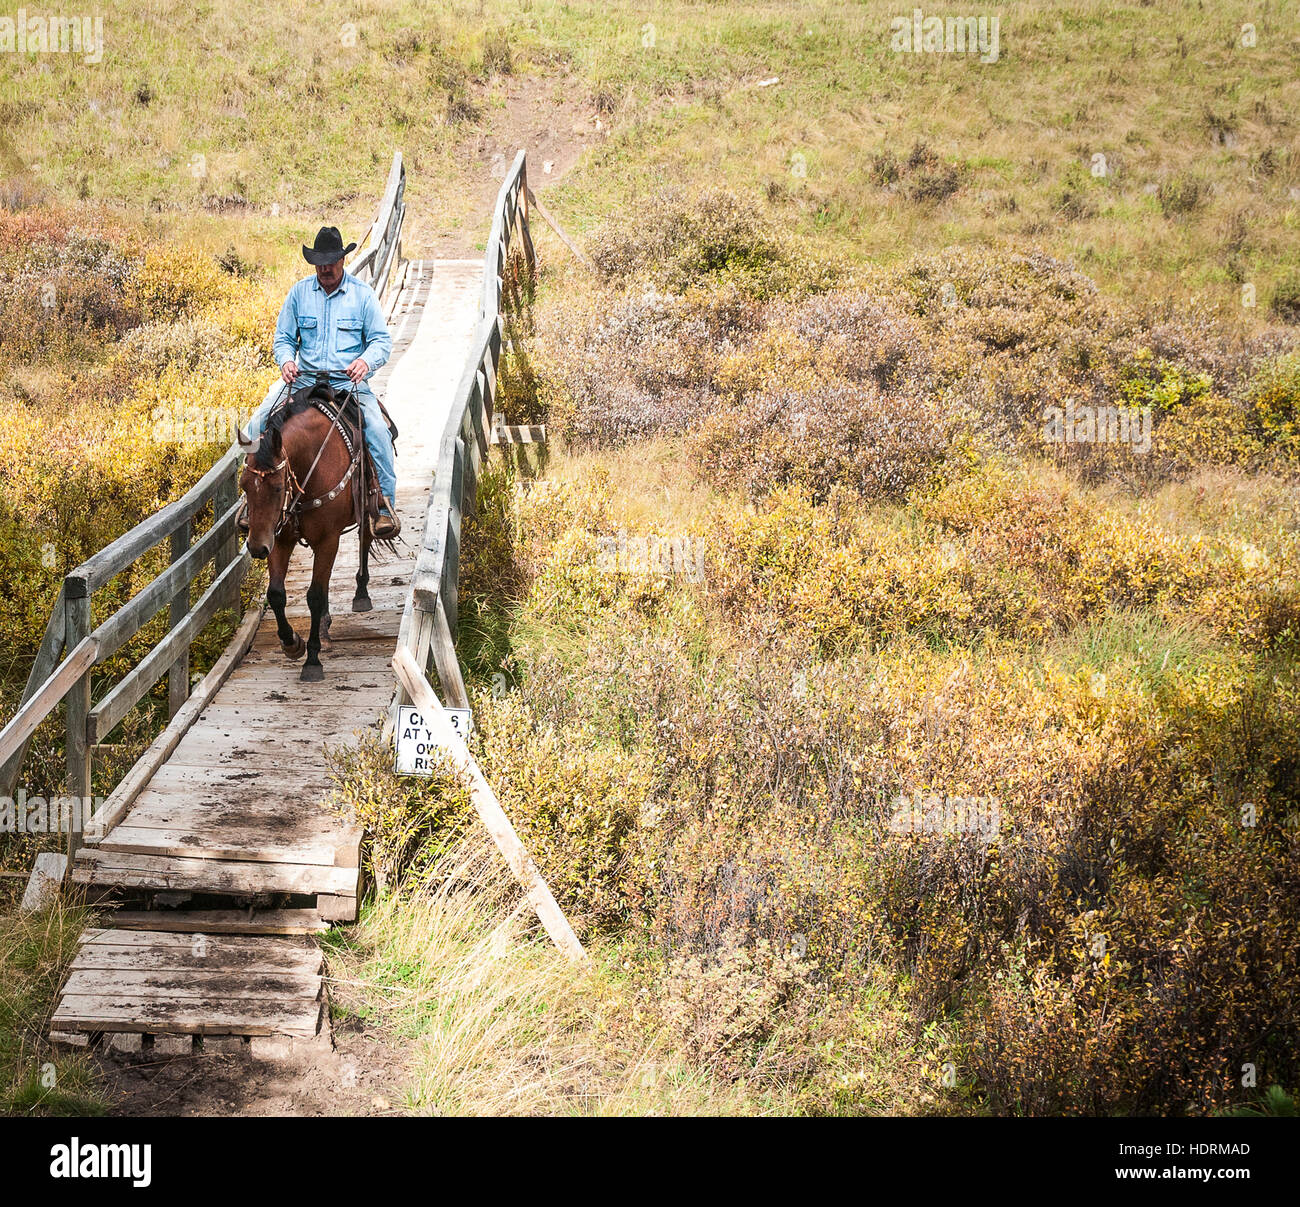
<point>76,624</point>
<point>223,499</point>
<point>178,674</point>
<point>525,232</point>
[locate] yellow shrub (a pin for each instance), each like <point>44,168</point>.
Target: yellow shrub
<point>173,281</point>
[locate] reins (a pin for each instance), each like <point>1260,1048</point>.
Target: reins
<point>292,509</point>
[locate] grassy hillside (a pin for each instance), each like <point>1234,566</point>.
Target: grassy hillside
<point>892,754</point>
<point>1198,131</point>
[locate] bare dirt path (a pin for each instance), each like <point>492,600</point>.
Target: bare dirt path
<point>362,1075</point>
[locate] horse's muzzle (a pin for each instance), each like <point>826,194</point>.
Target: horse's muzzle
<point>258,551</point>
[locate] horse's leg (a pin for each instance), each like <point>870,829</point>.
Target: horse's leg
<point>278,563</point>
<point>318,600</point>
<point>361,601</point>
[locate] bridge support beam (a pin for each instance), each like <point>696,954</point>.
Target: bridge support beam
<point>489,809</point>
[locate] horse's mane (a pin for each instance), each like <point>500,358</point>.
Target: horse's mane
<point>296,405</point>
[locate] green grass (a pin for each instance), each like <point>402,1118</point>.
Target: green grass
<point>34,1080</point>
<point>285,113</point>
<point>1158,653</point>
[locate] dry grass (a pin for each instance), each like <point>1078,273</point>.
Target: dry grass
<point>35,950</point>
<point>656,486</point>
<point>499,1023</point>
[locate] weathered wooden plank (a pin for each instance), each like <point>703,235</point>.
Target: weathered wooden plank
<point>330,693</point>
<point>446,661</point>
<point>327,719</point>
<point>245,802</point>
<point>299,818</point>
<point>349,653</point>
<point>251,843</point>
<point>221,781</point>
<point>124,948</point>
<point>94,866</point>
<point>47,658</point>
<point>357,670</point>
<point>76,746</point>
<point>267,922</point>
<point>118,936</point>
<point>46,880</point>
<point>220,738</point>
<point>141,1014</point>
<point>511,433</point>
<point>178,674</point>
<point>336,908</point>
<point>160,749</point>
<point>220,755</point>
<point>427,577</point>
<point>578,253</point>
<point>180,961</point>
<point>46,699</point>
<point>227,985</point>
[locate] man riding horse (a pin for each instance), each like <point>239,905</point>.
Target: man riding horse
<point>332,329</point>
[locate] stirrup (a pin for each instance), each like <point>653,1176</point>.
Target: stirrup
<point>386,526</point>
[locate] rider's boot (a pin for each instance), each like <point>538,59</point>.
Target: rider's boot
<point>241,517</point>
<point>386,526</point>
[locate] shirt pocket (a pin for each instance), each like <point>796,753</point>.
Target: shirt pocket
<point>309,337</point>
<point>350,337</point>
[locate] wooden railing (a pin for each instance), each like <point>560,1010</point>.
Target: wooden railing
<point>429,619</point>
<point>69,628</point>
<point>51,682</point>
<point>382,247</point>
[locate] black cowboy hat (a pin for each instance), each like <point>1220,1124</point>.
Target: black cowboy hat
<point>328,248</point>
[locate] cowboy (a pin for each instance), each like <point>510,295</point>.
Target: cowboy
<point>331,326</point>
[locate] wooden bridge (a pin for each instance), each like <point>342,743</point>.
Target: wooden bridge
<point>214,857</point>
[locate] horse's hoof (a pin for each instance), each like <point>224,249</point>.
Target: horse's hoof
<point>362,604</point>
<point>312,672</point>
<point>296,650</point>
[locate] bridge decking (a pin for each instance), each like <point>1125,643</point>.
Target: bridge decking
<point>236,809</point>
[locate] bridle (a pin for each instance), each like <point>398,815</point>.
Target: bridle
<point>292,508</point>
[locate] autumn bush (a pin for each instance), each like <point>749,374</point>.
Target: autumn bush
<point>679,240</point>
<point>124,365</point>
<point>409,822</point>
<point>907,595</point>
<point>891,379</point>
<point>1100,950</point>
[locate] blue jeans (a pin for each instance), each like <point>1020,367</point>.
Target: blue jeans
<point>378,440</point>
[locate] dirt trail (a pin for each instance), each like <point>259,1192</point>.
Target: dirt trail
<point>363,1075</point>
<point>553,117</point>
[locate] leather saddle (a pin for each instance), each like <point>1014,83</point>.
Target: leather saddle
<point>343,402</point>
<point>342,408</point>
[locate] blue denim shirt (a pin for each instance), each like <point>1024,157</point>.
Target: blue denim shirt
<point>326,334</point>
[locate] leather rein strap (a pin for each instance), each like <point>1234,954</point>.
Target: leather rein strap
<point>291,510</point>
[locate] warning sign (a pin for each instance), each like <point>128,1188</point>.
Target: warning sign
<point>416,747</point>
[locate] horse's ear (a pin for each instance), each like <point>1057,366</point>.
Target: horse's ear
<point>276,442</point>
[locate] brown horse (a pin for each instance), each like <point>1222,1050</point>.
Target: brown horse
<point>302,483</point>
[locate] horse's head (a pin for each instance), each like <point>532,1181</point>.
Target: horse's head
<point>263,484</point>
